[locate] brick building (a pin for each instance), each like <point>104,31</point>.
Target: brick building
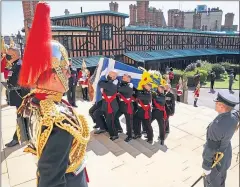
<point>91,35</point>
<point>143,15</point>
<point>228,24</point>
<point>28,13</point>
<point>175,18</point>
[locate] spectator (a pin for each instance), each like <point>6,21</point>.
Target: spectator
<point>167,70</point>
<point>171,75</point>
<point>235,73</point>
<point>212,77</point>
<point>231,78</point>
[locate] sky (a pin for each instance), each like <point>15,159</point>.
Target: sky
<point>12,13</point>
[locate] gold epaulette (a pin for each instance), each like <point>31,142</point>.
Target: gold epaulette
<point>79,130</point>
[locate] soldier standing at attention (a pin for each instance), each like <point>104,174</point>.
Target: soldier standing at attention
<point>56,134</point>
<point>109,103</point>
<point>219,135</point>
<point>159,112</point>
<point>170,105</point>
<point>125,92</point>
<point>72,83</point>
<point>143,113</point>
<point>15,92</point>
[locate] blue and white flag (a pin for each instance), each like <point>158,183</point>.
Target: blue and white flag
<point>106,65</point>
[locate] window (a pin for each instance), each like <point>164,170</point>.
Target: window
<point>106,30</point>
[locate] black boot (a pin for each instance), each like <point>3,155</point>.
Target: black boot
<point>195,104</point>
<point>100,131</point>
<point>113,138</point>
<point>162,142</point>
<point>137,136</point>
<point>128,139</point>
<point>12,143</point>
<point>150,141</point>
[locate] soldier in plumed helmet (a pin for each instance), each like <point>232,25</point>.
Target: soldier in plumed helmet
<point>218,140</point>
<point>55,133</point>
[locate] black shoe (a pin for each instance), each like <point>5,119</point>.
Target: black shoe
<point>12,143</point>
<point>120,131</point>
<point>162,142</point>
<point>113,138</point>
<point>74,105</point>
<point>128,139</point>
<point>137,136</point>
<point>95,126</point>
<point>100,131</point>
<point>150,141</point>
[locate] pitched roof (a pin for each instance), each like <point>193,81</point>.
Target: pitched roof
<point>90,61</point>
<point>69,28</point>
<point>104,12</point>
<point>144,56</point>
<point>159,29</point>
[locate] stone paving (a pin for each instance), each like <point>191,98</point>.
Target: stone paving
<point>133,164</point>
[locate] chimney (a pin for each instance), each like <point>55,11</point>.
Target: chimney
<point>66,12</point>
<point>81,9</point>
<point>111,6</point>
<point>116,7</point>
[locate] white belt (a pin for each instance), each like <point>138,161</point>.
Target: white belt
<point>126,99</point>
<point>141,106</point>
<point>107,97</point>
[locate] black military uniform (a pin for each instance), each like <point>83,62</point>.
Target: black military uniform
<point>72,83</point>
<point>109,105</point>
<point>98,119</point>
<point>125,92</point>
<point>219,134</point>
<point>15,93</point>
<point>170,108</point>
<point>143,114</point>
<point>159,113</point>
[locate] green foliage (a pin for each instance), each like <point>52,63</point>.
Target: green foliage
<point>203,75</point>
<point>218,69</point>
<point>229,67</point>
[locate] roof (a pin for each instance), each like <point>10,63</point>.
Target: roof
<point>104,12</point>
<point>69,28</point>
<point>143,56</point>
<point>159,29</point>
<point>90,61</point>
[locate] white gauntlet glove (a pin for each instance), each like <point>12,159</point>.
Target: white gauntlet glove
<point>115,82</point>
<point>207,172</point>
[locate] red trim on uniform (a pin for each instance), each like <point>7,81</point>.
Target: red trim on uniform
<point>161,108</point>
<point>109,100</point>
<point>87,178</point>
<point>128,102</point>
<point>145,108</point>
<point>196,93</point>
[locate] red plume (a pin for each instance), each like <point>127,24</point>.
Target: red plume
<point>38,52</point>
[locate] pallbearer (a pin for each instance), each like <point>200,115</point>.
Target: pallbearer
<point>159,111</point>
<point>143,113</point>
<point>125,92</point>
<point>170,105</point>
<point>109,103</point>
<point>56,134</point>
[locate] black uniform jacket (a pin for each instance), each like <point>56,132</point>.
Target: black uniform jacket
<point>126,91</point>
<point>54,159</point>
<point>159,98</point>
<point>146,98</point>
<point>72,81</point>
<point>15,92</point>
<point>170,103</point>
<point>110,89</point>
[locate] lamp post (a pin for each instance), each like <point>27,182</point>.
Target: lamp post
<point>20,42</point>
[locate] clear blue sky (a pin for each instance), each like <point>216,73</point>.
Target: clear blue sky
<point>12,13</point>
